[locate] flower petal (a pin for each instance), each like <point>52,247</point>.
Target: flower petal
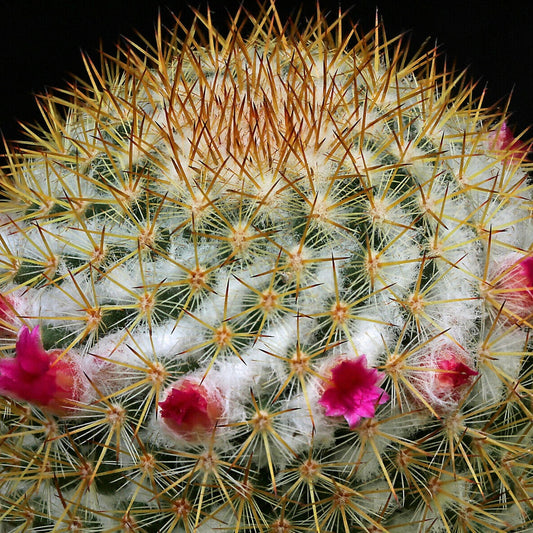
<point>30,353</point>
<point>353,391</point>
<point>35,376</point>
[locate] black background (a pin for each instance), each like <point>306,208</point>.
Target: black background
<point>41,41</point>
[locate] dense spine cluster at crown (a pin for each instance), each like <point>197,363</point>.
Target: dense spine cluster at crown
<point>278,279</point>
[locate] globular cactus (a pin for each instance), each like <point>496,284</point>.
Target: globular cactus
<point>278,279</point>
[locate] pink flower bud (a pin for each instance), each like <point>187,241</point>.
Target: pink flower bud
<point>444,377</point>
<point>190,410</point>
<point>453,373</point>
<point>502,139</point>
<point>512,286</point>
<point>353,391</point>
<point>37,376</point>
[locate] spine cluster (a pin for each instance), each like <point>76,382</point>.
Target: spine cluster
<point>274,280</point>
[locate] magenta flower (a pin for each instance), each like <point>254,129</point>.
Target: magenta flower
<point>353,391</point>
<point>503,139</point>
<point>37,376</point>
<point>190,410</point>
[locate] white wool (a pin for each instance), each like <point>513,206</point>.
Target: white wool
<point>12,243</point>
<point>370,337</point>
<point>69,302</point>
<point>454,247</point>
<point>116,288</point>
<point>309,428</point>
<point>26,302</point>
<point>317,294</point>
<point>373,325</point>
<point>362,453</point>
<point>509,220</point>
<point>398,265</point>
<point>499,358</point>
<point>225,302</point>
<point>107,364</point>
<point>277,342</point>
<point>239,380</point>
<point>453,306</point>
<point>169,341</point>
<point>475,173</point>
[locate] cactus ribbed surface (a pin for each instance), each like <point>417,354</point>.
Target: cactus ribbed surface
<point>278,279</point>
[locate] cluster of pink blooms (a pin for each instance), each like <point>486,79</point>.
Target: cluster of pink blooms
<point>189,409</point>
<point>51,380</point>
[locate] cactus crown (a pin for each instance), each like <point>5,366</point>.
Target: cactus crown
<point>278,279</point>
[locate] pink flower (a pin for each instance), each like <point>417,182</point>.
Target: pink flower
<point>36,376</point>
<point>353,391</point>
<point>513,285</point>
<point>502,139</point>
<point>190,409</point>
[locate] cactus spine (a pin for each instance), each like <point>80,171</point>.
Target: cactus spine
<point>274,280</point>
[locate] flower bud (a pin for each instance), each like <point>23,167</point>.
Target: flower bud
<point>503,139</point>
<point>512,286</point>
<point>190,409</point>
<point>444,377</point>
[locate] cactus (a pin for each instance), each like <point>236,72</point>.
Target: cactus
<point>278,279</point>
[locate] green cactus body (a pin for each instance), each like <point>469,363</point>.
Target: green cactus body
<point>277,280</point>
